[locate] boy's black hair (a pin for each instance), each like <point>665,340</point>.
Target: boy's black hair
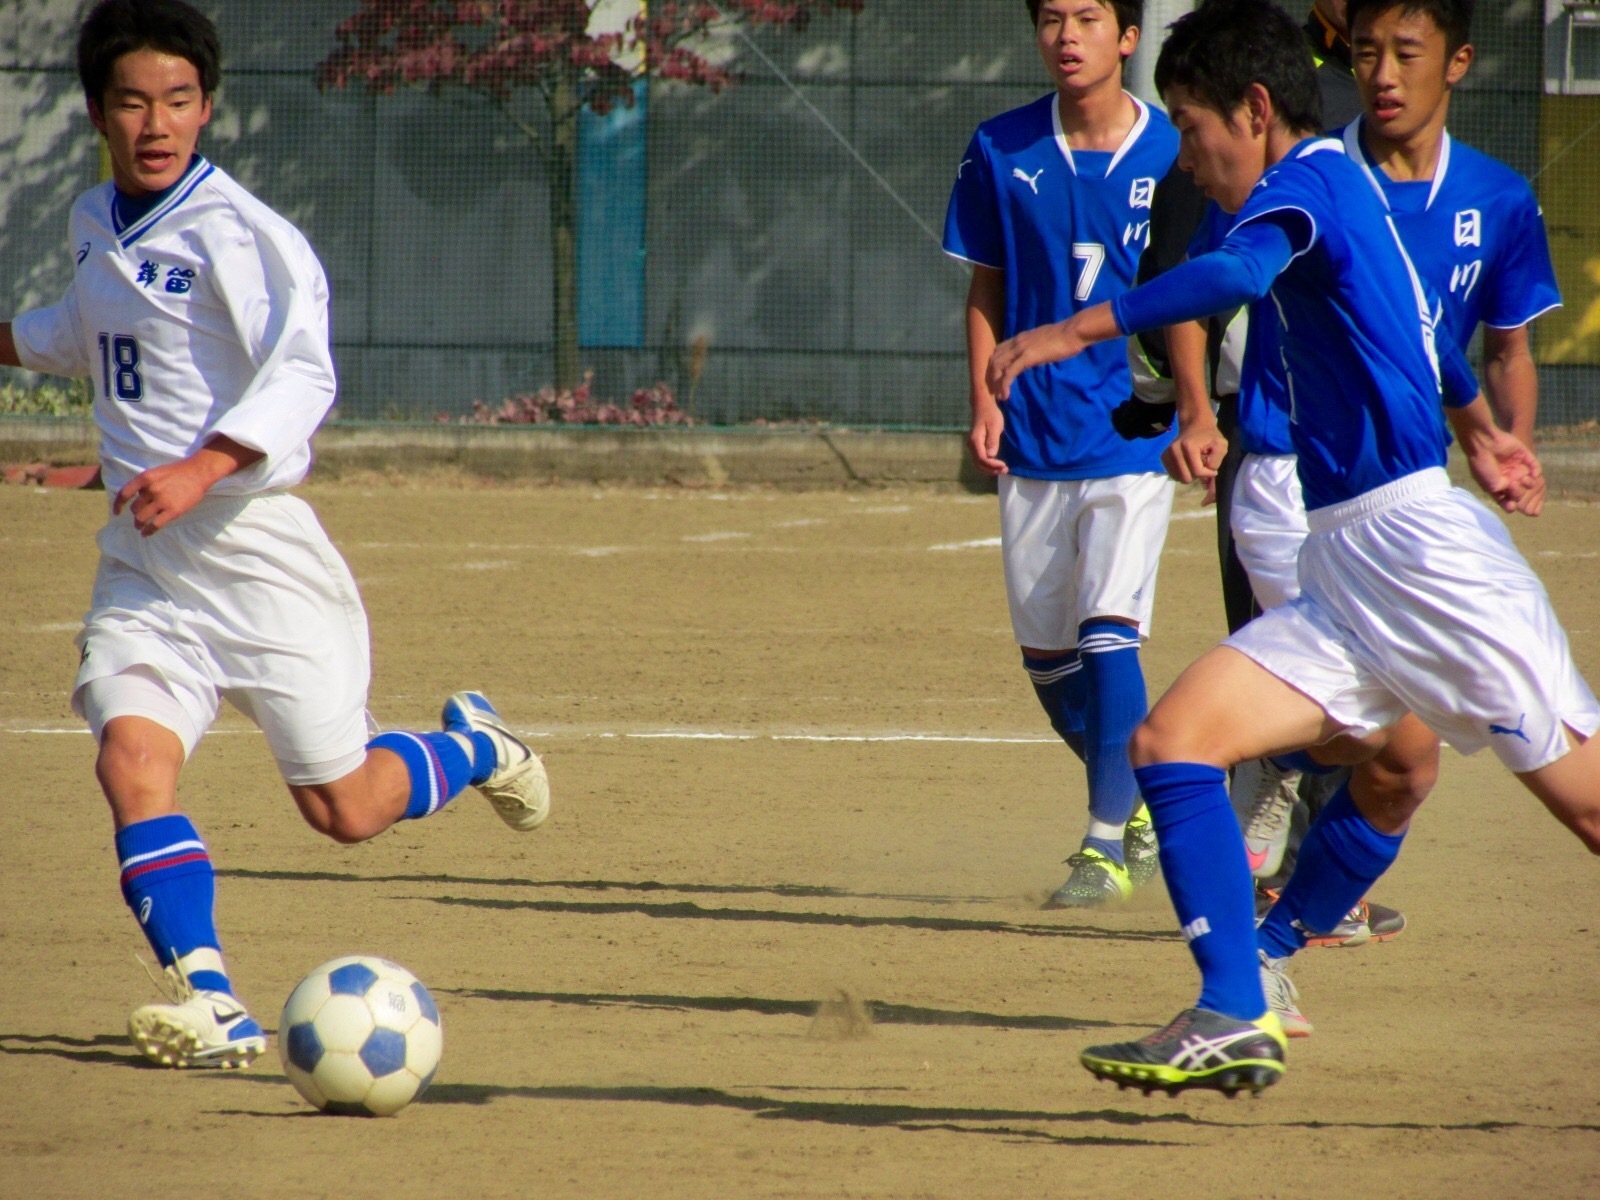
<point>1217,51</point>
<point>1453,17</point>
<point>1128,12</point>
<point>117,27</point>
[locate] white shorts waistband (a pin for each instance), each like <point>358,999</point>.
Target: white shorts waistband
<point>1430,482</point>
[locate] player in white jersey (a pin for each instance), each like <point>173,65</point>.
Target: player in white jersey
<point>202,318</point>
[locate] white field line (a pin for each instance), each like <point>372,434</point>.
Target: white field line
<point>39,728</point>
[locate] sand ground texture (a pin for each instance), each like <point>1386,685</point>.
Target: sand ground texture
<point>793,756</point>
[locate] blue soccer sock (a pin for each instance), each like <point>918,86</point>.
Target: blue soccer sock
<point>441,765</point>
<point>1115,704</point>
<point>1208,878</point>
<point>1058,682</point>
<point>168,882</point>
<point>1342,856</point>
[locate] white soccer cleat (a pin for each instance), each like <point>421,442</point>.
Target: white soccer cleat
<point>1267,795</point>
<point>519,789</point>
<point>1283,997</point>
<point>196,1028</point>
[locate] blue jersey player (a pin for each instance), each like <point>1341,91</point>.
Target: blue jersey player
<point>1413,595</point>
<point>1051,206</point>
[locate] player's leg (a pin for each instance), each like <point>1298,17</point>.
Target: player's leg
<point>407,776</point>
<point>1266,526</point>
<point>1355,839</point>
<point>1225,708</point>
<point>297,663</point>
<point>1570,787</point>
<point>145,734</point>
<point>1038,548</point>
<point>1121,525</point>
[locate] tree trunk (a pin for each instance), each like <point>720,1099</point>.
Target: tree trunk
<point>564,106</point>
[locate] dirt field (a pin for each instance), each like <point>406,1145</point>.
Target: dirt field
<point>793,754</point>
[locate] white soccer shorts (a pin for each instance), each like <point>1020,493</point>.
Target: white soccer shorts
<point>242,598</point>
<point>1414,598</point>
<point>1077,549</point>
<point>1268,522</point>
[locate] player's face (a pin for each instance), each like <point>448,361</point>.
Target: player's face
<point>1221,152</point>
<point>151,113</point>
<point>1080,44</point>
<point>1405,71</point>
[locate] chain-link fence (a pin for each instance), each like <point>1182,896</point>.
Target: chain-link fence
<point>769,251</point>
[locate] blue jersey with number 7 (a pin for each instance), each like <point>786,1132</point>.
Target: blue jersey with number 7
<point>1067,228</point>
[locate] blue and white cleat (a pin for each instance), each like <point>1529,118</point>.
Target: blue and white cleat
<point>519,789</point>
<point>196,1029</point>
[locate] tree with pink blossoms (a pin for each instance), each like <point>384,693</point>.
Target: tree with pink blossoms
<point>507,51</point>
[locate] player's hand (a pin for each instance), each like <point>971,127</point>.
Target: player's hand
<point>988,423</point>
<point>161,495</point>
<point>1046,344</point>
<point>1507,470</point>
<point>1196,455</point>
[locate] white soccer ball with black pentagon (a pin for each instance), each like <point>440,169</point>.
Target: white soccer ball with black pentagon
<point>360,1036</point>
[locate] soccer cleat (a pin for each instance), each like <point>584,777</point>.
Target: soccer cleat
<point>1139,847</point>
<point>1095,881</point>
<point>519,789</point>
<point>1266,794</point>
<point>1198,1049</point>
<point>1366,922</point>
<point>1283,997</point>
<point>196,1028</point>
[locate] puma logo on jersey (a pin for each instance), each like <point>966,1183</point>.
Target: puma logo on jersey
<point>1196,928</point>
<point>1031,180</point>
<point>1507,731</point>
<point>1469,228</point>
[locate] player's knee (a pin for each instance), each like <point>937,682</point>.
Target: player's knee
<point>1150,743</point>
<point>337,818</point>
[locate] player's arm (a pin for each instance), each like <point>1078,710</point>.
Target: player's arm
<point>1240,272</point>
<point>986,308</point>
<point>1198,450</point>
<point>8,347</point>
<point>1511,381</point>
<point>162,494</point>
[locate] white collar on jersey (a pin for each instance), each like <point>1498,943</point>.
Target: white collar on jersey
<point>1139,124</point>
<point>1357,152</point>
<point>199,168</point>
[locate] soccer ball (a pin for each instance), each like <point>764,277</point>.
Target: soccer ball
<point>360,1036</point>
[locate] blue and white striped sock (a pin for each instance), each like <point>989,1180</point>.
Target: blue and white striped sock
<point>440,766</point>
<point>169,883</point>
<point>1058,682</point>
<point>1115,704</point>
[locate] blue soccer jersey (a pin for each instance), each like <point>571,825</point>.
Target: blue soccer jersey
<point>1358,329</point>
<point>1475,234</point>
<point>1263,412</point>
<point>1067,228</point>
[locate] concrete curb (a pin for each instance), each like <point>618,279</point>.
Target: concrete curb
<point>695,457</point>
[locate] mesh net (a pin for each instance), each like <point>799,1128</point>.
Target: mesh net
<point>769,251</point>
